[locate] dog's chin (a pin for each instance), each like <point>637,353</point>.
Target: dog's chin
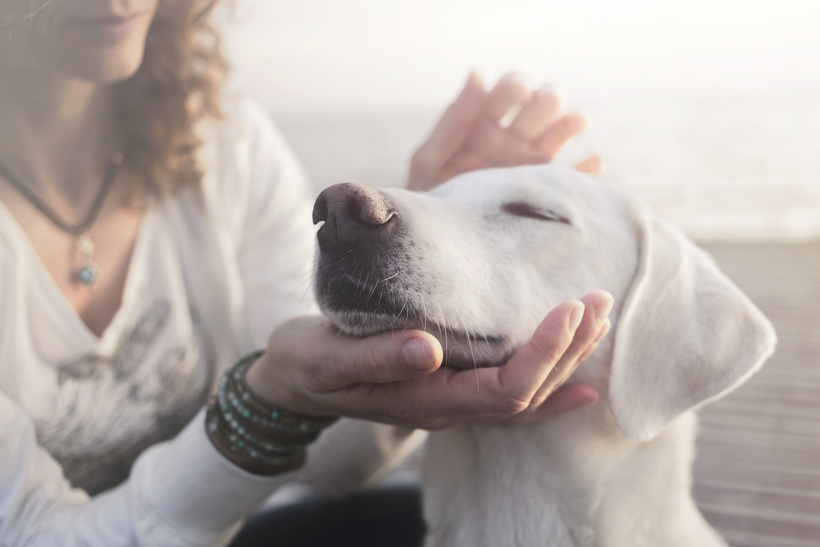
<point>462,350</point>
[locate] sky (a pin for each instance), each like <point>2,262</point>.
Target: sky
<point>353,54</point>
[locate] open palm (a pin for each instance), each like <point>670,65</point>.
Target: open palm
<point>470,134</point>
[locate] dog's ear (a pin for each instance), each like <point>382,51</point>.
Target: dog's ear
<point>686,334</point>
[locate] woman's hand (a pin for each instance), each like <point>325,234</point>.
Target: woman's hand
<point>469,135</point>
<point>309,368</point>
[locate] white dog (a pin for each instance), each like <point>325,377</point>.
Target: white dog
<point>478,262</point>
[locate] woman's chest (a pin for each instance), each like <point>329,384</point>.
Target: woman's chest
<point>98,402</point>
<point>102,251</point>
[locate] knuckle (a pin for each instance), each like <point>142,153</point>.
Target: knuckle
<point>422,158</point>
<point>416,160</point>
<point>495,138</point>
<point>318,377</point>
<point>564,341</point>
<point>513,405</point>
<point>373,366</point>
<point>410,415</point>
<point>547,358</point>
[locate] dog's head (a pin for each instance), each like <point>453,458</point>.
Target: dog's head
<point>481,259</point>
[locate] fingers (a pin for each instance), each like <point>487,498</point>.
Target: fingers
<point>592,165</point>
<point>603,332</point>
<point>397,378</point>
<point>510,91</point>
<point>565,399</point>
<point>597,306</point>
<point>559,132</point>
<point>470,136</point>
<point>449,134</point>
<point>432,397</point>
<point>534,361</point>
<point>536,115</point>
<point>379,359</point>
<point>452,396</point>
<point>521,384</point>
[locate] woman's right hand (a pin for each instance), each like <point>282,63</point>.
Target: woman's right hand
<point>312,369</point>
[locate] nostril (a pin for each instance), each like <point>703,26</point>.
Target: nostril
<point>369,207</point>
<point>351,213</point>
<point>320,210</point>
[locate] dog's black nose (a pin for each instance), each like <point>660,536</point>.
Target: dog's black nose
<point>353,214</point>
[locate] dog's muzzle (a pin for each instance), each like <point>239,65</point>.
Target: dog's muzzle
<point>362,276</point>
<point>354,216</point>
<point>361,251</point>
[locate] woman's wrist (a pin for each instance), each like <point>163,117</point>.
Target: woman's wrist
<point>254,434</point>
<point>267,384</point>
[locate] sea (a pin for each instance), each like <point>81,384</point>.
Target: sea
<point>730,168</point>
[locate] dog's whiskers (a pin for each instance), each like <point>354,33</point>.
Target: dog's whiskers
<point>444,328</point>
<point>469,343</point>
<point>395,275</point>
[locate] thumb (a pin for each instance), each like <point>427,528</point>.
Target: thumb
<point>454,127</point>
<point>383,358</point>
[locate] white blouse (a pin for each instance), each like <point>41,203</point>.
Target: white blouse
<point>212,272</point>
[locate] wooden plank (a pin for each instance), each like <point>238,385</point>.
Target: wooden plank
<point>757,471</point>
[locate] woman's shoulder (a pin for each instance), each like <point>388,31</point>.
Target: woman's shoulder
<point>246,138</point>
<point>250,171</point>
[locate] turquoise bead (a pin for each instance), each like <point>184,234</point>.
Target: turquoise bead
<point>86,275</point>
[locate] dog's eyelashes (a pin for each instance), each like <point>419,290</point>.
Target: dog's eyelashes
<point>527,210</point>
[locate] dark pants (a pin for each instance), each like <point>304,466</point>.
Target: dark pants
<point>385,517</point>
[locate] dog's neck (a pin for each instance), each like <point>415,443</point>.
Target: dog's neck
<point>574,480</point>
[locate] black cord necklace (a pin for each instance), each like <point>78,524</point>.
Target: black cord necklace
<point>88,273</point>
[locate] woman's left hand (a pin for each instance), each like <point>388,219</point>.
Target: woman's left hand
<point>469,135</point>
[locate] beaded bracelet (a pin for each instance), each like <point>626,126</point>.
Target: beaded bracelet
<point>234,390</point>
<point>257,435</point>
<point>245,456</point>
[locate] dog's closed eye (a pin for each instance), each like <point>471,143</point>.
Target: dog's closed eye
<point>527,210</point>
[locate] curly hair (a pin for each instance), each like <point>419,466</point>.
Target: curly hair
<point>159,108</point>
<point>176,86</point>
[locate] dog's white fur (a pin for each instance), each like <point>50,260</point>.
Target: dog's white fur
<point>615,474</point>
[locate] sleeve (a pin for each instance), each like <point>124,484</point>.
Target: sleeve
<point>276,249</point>
<point>180,493</point>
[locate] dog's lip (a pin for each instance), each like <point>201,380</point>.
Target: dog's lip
<point>461,349</point>
<point>345,293</point>
<point>448,362</point>
<point>361,310</point>
<point>413,322</point>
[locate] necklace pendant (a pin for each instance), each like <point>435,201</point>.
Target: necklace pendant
<point>85,247</point>
<point>89,272</point>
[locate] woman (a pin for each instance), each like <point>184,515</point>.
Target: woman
<point>151,234</point>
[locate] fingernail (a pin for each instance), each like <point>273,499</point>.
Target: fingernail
<point>575,317</point>
<point>602,309</point>
<point>515,78</point>
<point>474,81</point>
<point>418,355</point>
<point>603,332</point>
<point>475,78</point>
<point>588,396</point>
<point>584,118</point>
<point>550,89</point>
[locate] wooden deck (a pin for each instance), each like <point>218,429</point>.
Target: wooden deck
<point>757,472</point>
